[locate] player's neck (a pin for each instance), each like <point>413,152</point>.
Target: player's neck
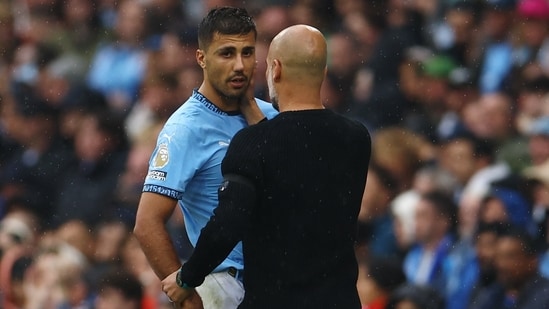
<point>223,103</point>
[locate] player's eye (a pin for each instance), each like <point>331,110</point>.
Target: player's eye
<point>248,52</point>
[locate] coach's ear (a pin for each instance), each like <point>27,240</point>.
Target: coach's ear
<point>277,69</point>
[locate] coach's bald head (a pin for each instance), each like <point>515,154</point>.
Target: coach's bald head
<point>296,65</point>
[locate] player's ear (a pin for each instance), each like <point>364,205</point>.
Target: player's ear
<point>200,54</point>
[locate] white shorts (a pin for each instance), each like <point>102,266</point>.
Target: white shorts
<point>221,291</point>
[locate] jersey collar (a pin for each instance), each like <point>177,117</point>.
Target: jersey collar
<point>209,105</point>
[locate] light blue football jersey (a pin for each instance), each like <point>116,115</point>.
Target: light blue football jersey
<point>186,163</point>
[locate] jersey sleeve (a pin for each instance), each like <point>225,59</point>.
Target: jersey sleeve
<point>267,108</point>
<point>173,162</point>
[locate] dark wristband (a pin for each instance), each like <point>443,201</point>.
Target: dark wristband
<point>180,283</point>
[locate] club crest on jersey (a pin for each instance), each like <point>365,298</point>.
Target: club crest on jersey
<point>162,156</point>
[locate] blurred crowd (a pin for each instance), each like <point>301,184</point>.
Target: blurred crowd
<point>455,94</point>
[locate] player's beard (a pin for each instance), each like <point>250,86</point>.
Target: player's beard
<point>272,92</point>
<point>231,94</point>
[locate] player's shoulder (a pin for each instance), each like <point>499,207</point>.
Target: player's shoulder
<point>179,128</point>
<point>267,108</point>
<point>264,103</point>
<point>189,112</point>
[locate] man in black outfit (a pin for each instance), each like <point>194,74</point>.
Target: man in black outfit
<point>291,192</point>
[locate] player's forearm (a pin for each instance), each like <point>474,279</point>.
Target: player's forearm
<point>159,250</point>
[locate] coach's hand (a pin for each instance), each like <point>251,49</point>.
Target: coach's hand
<point>181,297</point>
<point>248,105</point>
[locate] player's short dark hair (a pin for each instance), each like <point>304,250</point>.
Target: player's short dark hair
<point>226,21</point>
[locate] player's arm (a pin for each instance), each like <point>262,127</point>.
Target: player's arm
<point>153,212</point>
